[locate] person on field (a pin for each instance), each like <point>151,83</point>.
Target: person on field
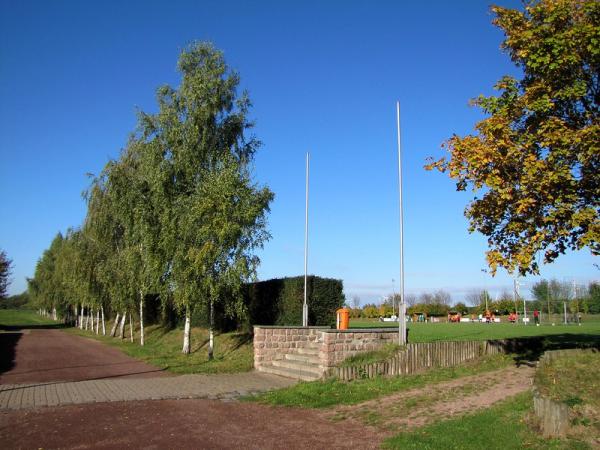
<point>488,316</point>
<point>536,317</point>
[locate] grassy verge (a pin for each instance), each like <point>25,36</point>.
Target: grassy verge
<point>382,354</point>
<point>503,426</point>
<point>322,394</point>
<point>15,318</point>
<point>233,351</point>
<point>573,379</point>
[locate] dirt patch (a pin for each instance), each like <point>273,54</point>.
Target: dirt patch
<point>208,424</point>
<point>52,355</point>
<point>418,407</point>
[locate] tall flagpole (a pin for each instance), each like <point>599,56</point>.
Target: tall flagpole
<point>401,306</point>
<point>305,304</point>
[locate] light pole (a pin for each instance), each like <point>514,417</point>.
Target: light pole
<point>401,305</point>
<point>305,304</point>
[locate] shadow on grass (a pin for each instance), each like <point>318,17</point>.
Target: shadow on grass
<point>49,326</point>
<point>529,350</point>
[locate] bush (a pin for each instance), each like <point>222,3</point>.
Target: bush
<point>279,301</point>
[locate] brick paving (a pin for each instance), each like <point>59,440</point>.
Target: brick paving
<point>58,393</point>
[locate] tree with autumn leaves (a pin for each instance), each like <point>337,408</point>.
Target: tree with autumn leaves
<point>534,161</point>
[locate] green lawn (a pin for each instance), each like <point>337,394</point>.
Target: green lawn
<point>233,351</point>
<point>322,394</point>
<point>431,332</point>
<point>503,426</point>
<point>15,318</point>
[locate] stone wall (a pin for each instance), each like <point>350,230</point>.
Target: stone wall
<point>272,342</point>
<point>340,344</point>
<point>333,346</point>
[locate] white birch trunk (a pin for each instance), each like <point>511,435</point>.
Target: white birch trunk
<point>186,333</point>
<point>114,328</point>
<point>141,319</point>
<point>130,327</point>
<point>54,315</point>
<point>81,319</point>
<point>97,321</point>
<point>210,331</point>
<point>122,326</point>
<point>103,324</point>
<point>87,321</point>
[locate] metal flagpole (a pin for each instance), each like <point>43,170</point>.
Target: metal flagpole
<point>401,304</point>
<point>305,304</point>
<point>525,321</point>
<point>393,298</point>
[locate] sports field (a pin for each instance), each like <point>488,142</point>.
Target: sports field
<point>430,332</point>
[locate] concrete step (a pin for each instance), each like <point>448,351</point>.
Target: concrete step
<point>312,351</point>
<point>289,373</point>
<point>311,359</point>
<point>298,366</point>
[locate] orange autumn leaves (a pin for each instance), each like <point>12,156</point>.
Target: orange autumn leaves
<point>534,162</point>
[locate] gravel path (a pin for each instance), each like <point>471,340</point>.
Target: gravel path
<point>42,355</point>
<point>179,424</point>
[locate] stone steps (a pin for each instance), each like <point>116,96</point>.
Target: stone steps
<point>309,351</point>
<point>303,364</point>
<point>297,366</point>
<point>290,373</point>
<point>310,359</point>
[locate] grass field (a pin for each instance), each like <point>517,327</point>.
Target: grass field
<point>233,351</point>
<point>23,318</point>
<point>431,332</point>
<point>503,426</point>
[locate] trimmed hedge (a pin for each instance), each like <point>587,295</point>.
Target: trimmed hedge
<point>272,302</point>
<point>279,301</point>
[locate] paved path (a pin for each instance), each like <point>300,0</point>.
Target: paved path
<point>42,367</point>
<point>224,387</point>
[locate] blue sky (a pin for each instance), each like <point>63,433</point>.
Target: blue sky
<point>324,77</point>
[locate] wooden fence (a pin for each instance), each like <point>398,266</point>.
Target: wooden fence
<point>419,357</point>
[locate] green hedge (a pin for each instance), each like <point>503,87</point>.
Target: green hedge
<point>279,301</point>
<point>272,302</point>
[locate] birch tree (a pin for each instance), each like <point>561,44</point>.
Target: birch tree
<point>199,133</point>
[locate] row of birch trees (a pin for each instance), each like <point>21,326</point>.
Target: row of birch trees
<point>177,216</point>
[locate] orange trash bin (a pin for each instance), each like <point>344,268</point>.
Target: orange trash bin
<point>343,318</point>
